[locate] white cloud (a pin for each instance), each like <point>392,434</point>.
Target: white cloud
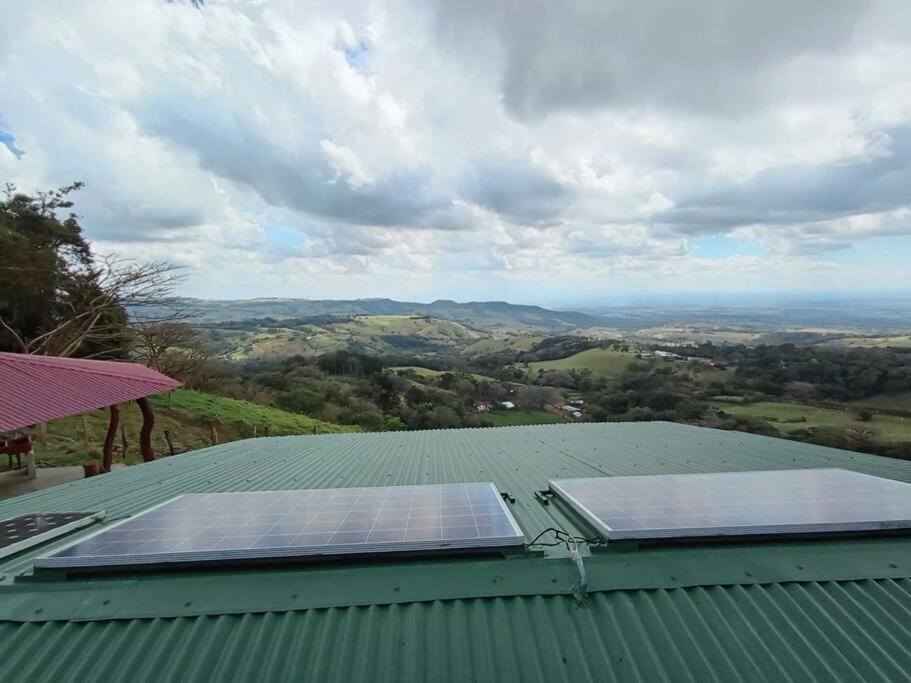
<point>466,145</point>
<point>346,164</point>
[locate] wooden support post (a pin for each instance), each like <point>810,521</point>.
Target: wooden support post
<point>214,434</point>
<point>107,453</point>
<point>124,444</point>
<point>167,437</point>
<point>145,434</point>
<point>30,471</point>
<point>85,434</point>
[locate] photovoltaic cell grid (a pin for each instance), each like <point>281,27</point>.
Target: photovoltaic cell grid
<point>738,503</point>
<point>289,524</point>
<point>29,530</point>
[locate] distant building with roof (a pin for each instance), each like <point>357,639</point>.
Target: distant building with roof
<point>802,608</point>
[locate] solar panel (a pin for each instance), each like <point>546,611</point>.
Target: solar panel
<point>301,524</point>
<point>25,531</point>
<point>738,503</point>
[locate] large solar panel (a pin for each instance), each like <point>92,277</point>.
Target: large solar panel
<point>26,531</point>
<point>738,503</point>
<point>301,524</point>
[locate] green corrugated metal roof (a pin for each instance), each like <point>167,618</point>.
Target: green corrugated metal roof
<point>811,609</point>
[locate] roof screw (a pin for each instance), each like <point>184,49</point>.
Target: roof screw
<point>39,610</point>
<point>893,565</point>
<point>105,602</point>
<point>188,603</point>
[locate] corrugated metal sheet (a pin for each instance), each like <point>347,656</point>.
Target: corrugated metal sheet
<point>793,632</point>
<point>807,610</point>
<point>36,389</point>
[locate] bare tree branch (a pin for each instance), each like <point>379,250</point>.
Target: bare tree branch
<point>114,295</point>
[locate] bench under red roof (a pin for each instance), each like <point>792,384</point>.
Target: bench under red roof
<point>36,389</point>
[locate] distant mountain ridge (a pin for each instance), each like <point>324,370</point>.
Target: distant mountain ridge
<point>482,315</point>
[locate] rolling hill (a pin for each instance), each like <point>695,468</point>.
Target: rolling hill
<point>487,316</point>
<point>601,361</point>
<point>373,334</point>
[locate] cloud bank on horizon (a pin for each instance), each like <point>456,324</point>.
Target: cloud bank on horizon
<point>555,152</point>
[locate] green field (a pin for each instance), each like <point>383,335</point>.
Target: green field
<point>901,341</point>
<point>518,342</point>
<point>517,416</point>
<point>428,372</point>
<point>602,361</point>
<point>783,416</point>
<point>886,402</point>
<point>223,409</point>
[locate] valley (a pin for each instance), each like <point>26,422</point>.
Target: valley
<point>297,366</point>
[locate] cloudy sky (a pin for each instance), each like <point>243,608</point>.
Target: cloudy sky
<point>553,152</point>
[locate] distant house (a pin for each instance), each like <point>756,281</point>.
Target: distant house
<point>483,407</point>
<point>572,411</point>
<point>577,402</point>
<point>509,405</point>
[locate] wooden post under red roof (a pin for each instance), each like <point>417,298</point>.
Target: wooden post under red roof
<point>145,434</point>
<point>108,452</point>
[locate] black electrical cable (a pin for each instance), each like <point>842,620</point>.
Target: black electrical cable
<point>563,538</point>
<point>556,532</point>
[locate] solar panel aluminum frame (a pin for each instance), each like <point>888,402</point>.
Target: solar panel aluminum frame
<point>50,534</point>
<point>197,557</point>
<point>757,530</point>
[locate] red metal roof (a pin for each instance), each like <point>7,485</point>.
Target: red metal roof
<point>35,389</point>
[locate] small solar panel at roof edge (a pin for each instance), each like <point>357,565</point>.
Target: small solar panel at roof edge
<point>804,501</point>
<point>26,531</point>
<point>238,526</point>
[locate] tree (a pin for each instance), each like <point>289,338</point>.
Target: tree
<point>56,297</point>
<point>394,423</point>
<point>173,348</point>
<point>442,417</point>
<point>536,397</point>
<point>556,378</point>
<point>46,261</point>
<point>300,401</point>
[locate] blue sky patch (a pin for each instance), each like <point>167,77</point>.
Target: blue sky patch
<point>722,246</point>
<point>8,141</point>
<point>282,236</point>
<point>358,56</point>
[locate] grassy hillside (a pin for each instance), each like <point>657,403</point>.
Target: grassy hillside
<point>187,415</point>
<point>515,342</point>
<point>602,361</point>
<point>886,403</point>
<point>246,414</point>
<point>789,417</point>
<point>428,372</point>
<point>375,334</point>
<point>893,341</point>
